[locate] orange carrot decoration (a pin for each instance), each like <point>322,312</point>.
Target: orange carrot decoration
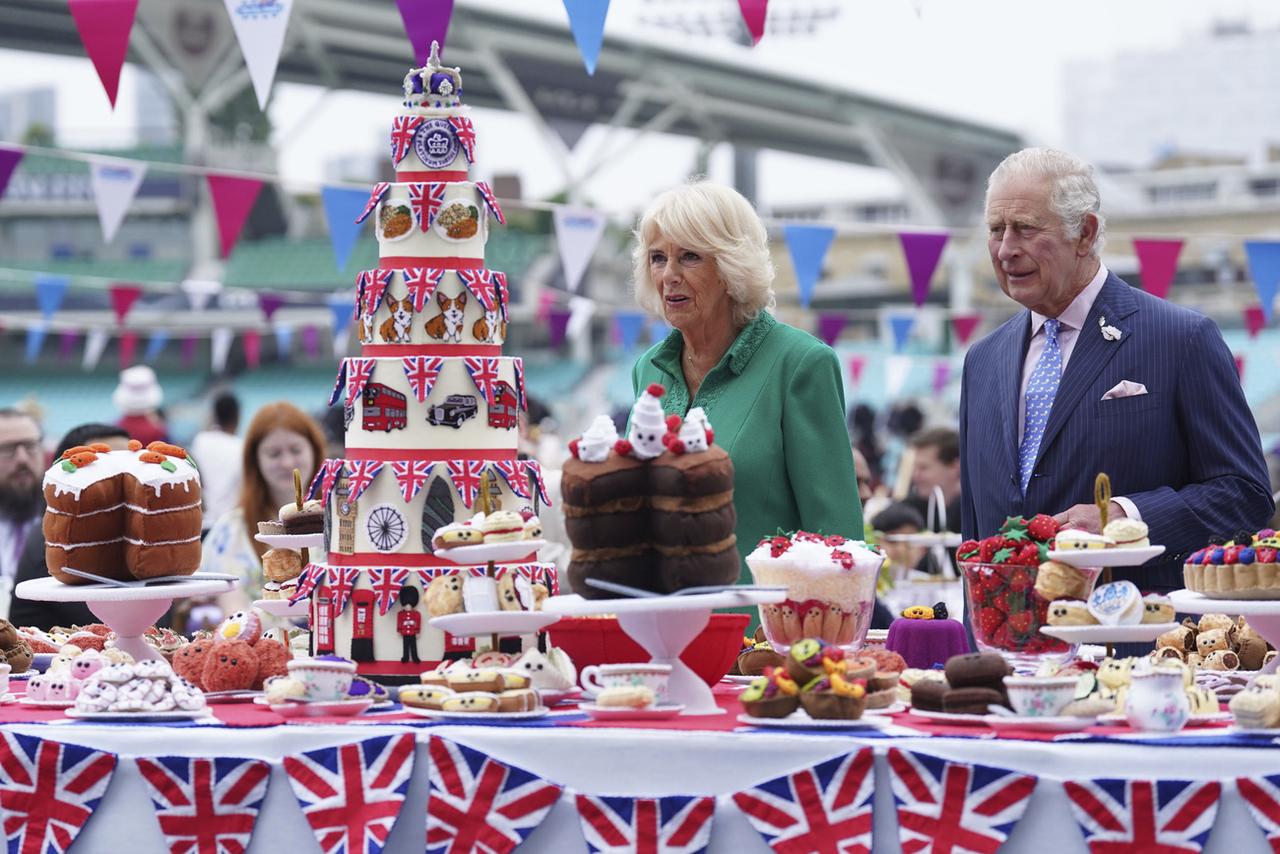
<point>151,457</point>
<point>78,449</point>
<point>135,445</point>
<point>166,448</point>
<point>83,458</point>
<point>100,447</point>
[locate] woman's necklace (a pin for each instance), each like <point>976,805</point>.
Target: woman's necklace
<point>694,380</point>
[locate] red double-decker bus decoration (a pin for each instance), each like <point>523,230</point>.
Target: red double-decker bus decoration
<point>505,410</point>
<point>384,408</point>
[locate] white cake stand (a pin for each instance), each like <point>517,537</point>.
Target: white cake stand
<point>664,626</point>
<point>1262,614</point>
<point>128,611</point>
<point>506,623</point>
<point>490,552</point>
<point>291,541</point>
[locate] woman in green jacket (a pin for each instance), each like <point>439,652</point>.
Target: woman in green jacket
<point>771,392</point>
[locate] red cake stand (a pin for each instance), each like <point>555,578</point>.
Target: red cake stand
<point>664,626</point>
<point>128,611</point>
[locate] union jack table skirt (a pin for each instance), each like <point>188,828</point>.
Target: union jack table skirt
<point>645,762</point>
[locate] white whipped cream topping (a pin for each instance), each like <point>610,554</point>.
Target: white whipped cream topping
<point>112,463</point>
<point>598,440</point>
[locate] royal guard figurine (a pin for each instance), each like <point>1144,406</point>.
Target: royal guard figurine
<point>409,624</point>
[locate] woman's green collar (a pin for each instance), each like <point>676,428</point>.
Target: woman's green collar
<point>667,356</point>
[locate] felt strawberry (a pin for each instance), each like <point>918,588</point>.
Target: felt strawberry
<point>1029,554</point>
<point>1042,527</point>
<point>1002,556</point>
<point>987,548</point>
<point>989,619</point>
<point>1003,637</point>
<point>778,546</point>
<point>968,549</point>
<point>1020,622</point>
<point>622,448</point>
<point>835,540</point>
<point>1016,537</point>
<point>1231,554</point>
<point>843,558</point>
<point>1020,581</point>
<point>1266,554</point>
<point>1013,523</point>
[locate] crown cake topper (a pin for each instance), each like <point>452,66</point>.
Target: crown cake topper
<point>433,85</point>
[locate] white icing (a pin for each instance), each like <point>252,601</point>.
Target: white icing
<point>113,463</point>
<point>134,542</point>
<point>598,440</point>
<point>143,511</point>
<point>72,546</point>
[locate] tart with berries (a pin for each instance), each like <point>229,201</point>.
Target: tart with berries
<point>1243,567</point>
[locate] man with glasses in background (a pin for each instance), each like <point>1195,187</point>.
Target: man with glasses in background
<point>22,466</point>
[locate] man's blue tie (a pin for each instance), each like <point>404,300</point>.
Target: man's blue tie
<point>1041,389</point>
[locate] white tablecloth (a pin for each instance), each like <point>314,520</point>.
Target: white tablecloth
<point>639,762</point>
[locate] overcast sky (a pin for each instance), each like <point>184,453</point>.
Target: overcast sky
<point>988,60</point>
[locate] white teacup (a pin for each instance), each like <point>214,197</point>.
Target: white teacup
<point>5,670</point>
<point>1040,696</point>
<point>323,679</point>
<point>597,677</point>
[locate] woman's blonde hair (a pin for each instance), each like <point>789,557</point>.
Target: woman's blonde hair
<point>716,221</point>
<point>255,495</point>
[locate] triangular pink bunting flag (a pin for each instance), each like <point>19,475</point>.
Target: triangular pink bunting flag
<point>425,21</point>
<point>1240,366</point>
<point>1157,264</point>
<point>830,326</point>
<point>753,15</point>
<point>189,345</point>
<point>9,158</point>
<point>941,374</point>
<point>923,250</point>
<point>964,325</point>
<point>233,198</point>
<point>104,27</point>
<point>128,348</point>
<point>856,364</point>
<point>1254,320</point>
<point>122,299</point>
<point>252,347</point>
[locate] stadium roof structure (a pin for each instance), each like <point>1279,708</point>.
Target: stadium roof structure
<point>531,64</point>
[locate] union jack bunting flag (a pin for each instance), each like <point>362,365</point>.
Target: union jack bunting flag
<point>206,806</point>
<point>466,135</point>
<point>425,575</point>
<point>342,581</point>
<point>412,476</point>
<point>379,190</point>
<point>484,373</point>
<point>477,804</point>
<point>48,790</point>
<point>375,289</point>
<point>1262,796</point>
<point>351,794</point>
<point>387,581</point>
<point>519,366</point>
<point>425,200</point>
<point>360,473</point>
<point>670,825</point>
<point>358,373</point>
<point>330,470</point>
<point>402,133</point>
<point>480,283</point>
<point>491,201</point>
<point>313,575</point>
<point>500,291</point>
<point>953,806</point>
<point>339,382</point>
<point>533,470</point>
<point>1151,817</point>
<point>824,809</point>
<point>422,372</point>
<point>465,475</point>
<point>422,283</point>
<point>512,474</point>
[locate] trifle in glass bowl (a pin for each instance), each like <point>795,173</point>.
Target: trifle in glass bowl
<point>831,588</point>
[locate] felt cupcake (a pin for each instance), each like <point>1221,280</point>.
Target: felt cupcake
<point>774,695</point>
<point>832,697</point>
<point>810,658</point>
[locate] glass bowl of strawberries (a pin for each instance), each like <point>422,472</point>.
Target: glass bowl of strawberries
<point>1006,605</point>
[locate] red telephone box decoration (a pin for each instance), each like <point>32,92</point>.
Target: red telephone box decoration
<point>322,617</point>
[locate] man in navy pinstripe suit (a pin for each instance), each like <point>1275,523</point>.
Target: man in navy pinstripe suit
<point>1096,376</point>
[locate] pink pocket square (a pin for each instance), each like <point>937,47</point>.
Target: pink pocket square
<point>1125,388</point>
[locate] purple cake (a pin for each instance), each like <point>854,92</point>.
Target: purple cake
<point>925,643</point>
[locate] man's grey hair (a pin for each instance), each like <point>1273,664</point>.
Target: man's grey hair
<point>1075,193</point>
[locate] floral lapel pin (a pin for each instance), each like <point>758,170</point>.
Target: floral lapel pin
<point>1108,332</point>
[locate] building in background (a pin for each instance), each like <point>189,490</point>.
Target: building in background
<point>29,115</point>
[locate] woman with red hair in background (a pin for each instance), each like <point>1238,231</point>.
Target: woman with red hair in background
<point>280,438</point>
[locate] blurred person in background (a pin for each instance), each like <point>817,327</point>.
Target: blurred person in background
<point>22,465</point>
<point>333,423</point>
<point>217,451</point>
<point>46,615</point>
<point>773,394</point>
<point>935,464</point>
<point>533,447</point>
<point>137,398</point>
<point>896,520</point>
<point>281,438</point>
<point>862,432</point>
